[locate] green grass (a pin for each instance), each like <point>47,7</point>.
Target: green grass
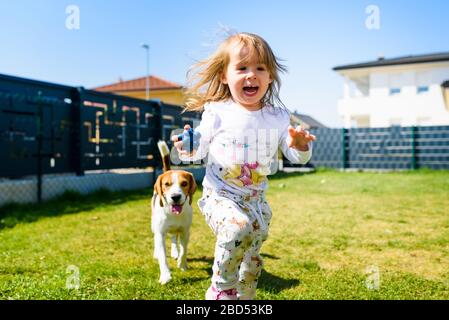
<point>328,229</point>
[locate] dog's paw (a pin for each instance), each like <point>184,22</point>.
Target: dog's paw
<point>182,265</point>
<point>164,278</point>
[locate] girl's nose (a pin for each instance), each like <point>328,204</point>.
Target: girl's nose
<point>251,74</point>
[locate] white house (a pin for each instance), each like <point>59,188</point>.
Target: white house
<point>406,91</point>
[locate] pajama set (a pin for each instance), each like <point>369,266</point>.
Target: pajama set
<point>242,150</point>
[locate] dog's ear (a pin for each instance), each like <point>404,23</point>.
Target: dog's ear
<point>192,187</point>
<point>158,189</point>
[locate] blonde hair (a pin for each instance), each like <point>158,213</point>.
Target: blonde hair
<point>204,78</point>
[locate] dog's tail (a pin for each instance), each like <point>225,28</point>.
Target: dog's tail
<point>165,154</point>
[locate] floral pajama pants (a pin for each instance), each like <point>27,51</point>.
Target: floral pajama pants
<point>241,226</point>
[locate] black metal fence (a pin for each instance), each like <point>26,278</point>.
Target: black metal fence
<point>48,128</point>
<point>382,148</point>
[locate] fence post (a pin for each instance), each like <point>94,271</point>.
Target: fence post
<point>413,142</point>
<point>159,120</point>
<point>344,148</point>
<point>78,131</point>
<point>159,117</point>
<point>40,133</point>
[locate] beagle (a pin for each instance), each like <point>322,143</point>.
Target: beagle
<point>171,208</point>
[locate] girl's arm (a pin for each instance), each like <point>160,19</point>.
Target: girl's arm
<point>201,139</point>
<point>293,141</point>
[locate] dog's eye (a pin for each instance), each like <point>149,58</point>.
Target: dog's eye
<point>167,184</point>
<point>184,184</point>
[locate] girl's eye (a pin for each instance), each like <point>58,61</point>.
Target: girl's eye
<point>261,68</point>
<point>242,68</point>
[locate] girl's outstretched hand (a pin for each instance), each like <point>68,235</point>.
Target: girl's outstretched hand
<point>299,138</point>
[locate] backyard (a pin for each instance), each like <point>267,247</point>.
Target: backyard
<point>334,235</point>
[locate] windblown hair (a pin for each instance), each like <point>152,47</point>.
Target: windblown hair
<point>204,78</point>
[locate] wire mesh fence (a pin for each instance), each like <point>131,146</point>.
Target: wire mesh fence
<point>392,148</point>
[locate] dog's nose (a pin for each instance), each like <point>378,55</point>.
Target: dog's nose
<point>176,197</point>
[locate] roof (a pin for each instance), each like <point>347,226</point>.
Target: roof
<point>303,118</point>
<point>381,62</point>
<point>139,84</point>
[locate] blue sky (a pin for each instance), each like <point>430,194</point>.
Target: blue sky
<point>311,37</point>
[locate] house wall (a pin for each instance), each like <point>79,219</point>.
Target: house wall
<point>406,108</point>
<point>171,96</point>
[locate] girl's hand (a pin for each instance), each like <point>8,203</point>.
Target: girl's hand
<point>299,138</point>
<point>179,145</point>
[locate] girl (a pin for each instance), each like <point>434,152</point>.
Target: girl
<point>241,130</point>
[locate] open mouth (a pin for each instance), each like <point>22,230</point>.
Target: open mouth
<point>250,91</point>
<point>176,208</point>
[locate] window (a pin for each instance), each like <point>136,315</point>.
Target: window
<point>423,81</point>
<point>395,91</point>
<point>395,82</point>
<point>422,89</point>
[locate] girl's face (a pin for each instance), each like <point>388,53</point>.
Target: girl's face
<point>248,81</point>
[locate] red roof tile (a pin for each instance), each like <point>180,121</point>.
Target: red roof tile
<point>138,85</point>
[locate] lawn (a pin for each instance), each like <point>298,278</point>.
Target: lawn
<point>334,235</point>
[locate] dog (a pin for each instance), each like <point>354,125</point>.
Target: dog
<point>171,208</point>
